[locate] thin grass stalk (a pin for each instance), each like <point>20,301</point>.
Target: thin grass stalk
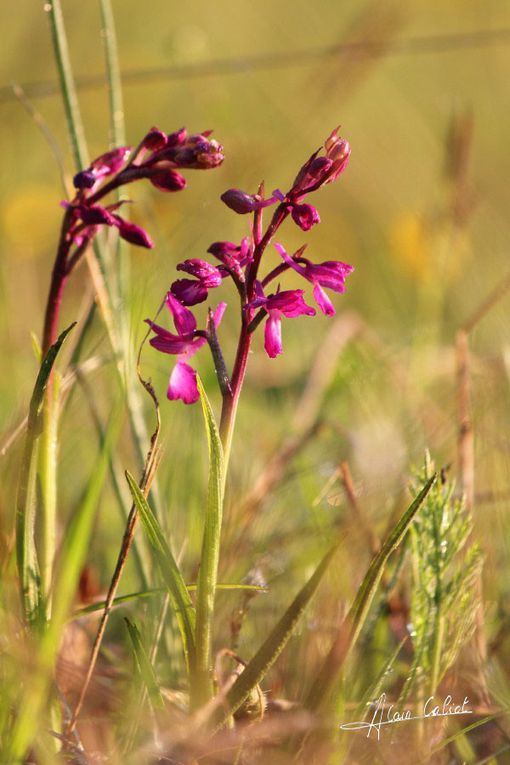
<point>49,440</point>
<point>80,156</point>
<point>66,81</point>
<point>201,682</point>
<point>117,124</point>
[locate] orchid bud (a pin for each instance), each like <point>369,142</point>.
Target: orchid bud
<point>155,140</point>
<point>133,233</point>
<point>239,201</point>
<point>167,180</point>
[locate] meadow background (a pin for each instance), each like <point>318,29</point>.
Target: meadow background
<point>421,213</point>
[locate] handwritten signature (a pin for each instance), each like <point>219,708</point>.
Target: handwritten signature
<point>385,714</point>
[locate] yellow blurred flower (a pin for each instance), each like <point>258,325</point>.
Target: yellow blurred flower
<point>409,245</point>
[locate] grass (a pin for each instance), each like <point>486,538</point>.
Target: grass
<point>304,552</point>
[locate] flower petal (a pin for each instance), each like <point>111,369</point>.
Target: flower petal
<point>189,291</point>
<point>273,335</point>
<point>289,261</point>
<point>185,322</point>
<point>183,384</point>
<point>290,303</point>
<point>167,180</point>
<point>323,301</point>
<point>208,274</point>
<point>305,216</point>
<point>133,233</point>
<point>94,215</point>
<point>155,140</point>
<point>166,341</point>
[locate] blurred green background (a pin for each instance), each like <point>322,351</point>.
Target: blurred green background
<point>423,217</point>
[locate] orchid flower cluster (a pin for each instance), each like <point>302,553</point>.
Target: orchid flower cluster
<point>241,263</point>
<point>158,157</point>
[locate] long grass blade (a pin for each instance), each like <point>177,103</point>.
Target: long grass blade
<point>133,596</point>
<point>144,666</point>
<point>117,127</point>
<point>272,647</point>
<point>349,632</point>
<point>98,265</point>
<point>170,572</point>
<point>201,690</point>
<point>67,86</point>
<point>26,553</point>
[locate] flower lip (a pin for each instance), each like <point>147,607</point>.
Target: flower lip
<point>305,216</point>
<point>330,274</point>
<point>182,384</point>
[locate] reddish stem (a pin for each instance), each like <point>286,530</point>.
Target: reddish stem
<point>231,397</point>
<point>58,280</point>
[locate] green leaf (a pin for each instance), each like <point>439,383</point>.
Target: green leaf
<point>28,566</point>
<point>272,647</point>
<point>201,690</point>
<point>172,577</point>
<point>129,597</point>
<point>144,666</point>
<point>74,551</point>
<point>355,619</point>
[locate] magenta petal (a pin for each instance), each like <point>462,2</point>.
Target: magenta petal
<point>167,180</point>
<point>218,314</point>
<point>166,341</point>
<point>289,261</point>
<point>183,384</point>
<point>111,162</point>
<point>155,140</point>
<point>208,274</point>
<point>305,216</point>
<point>323,301</point>
<point>133,233</point>
<point>273,336</point>
<point>94,215</point>
<point>222,250</point>
<point>290,303</point>
<point>189,291</point>
<point>185,322</point>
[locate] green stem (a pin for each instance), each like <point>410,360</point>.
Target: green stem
<point>437,646</point>
<point>201,689</point>
<point>67,87</point>
<point>117,127</point>
<point>48,448</point>
<point>48,479</point>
